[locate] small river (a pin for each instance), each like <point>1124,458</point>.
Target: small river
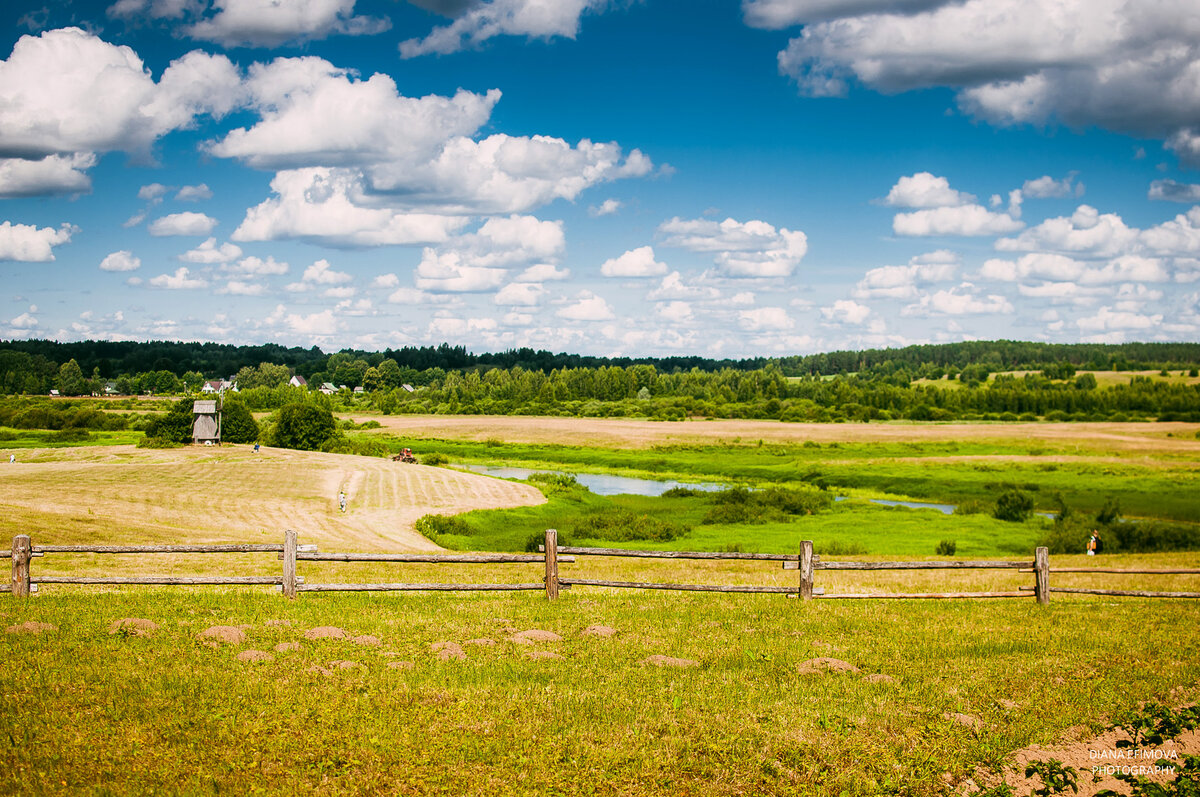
<point>606,484</point>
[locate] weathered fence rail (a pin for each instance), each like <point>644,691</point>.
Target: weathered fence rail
<point>550,556</point>
<point>807,563</point>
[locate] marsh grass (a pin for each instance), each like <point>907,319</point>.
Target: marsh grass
<point>92,713</point>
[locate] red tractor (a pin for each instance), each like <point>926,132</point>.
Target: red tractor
<point>405,456</point>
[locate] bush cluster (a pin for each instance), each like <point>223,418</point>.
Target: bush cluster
<point>774,504</point>
<point>621,525</point>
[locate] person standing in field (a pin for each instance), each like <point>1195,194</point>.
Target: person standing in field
<point>342,500</point>
<point>1094,545</point>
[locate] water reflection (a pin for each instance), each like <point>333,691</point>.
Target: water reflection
<point>600,483</point>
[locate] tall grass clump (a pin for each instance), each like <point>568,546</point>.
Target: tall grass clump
<point>621,525</point>
<point>739,505</point>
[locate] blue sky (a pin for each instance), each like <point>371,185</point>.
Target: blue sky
<point>601,176</point>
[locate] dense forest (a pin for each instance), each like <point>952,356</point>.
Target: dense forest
<point>965,381</point>
<point>109,359</point>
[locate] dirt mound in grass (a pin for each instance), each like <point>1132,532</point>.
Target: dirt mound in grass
<point>286,647</point>
<point>534,635</point>
<point>366,639</point>
<point>669,661</point>
<point>133,625</point>
<point>325,632</point>
<point>229,634</point>
<point>445,651</point>
<point>966,720</point>
<point>255,655</point>
<point>824,664</point>
<point>599,630</point>
<point>31,627</point>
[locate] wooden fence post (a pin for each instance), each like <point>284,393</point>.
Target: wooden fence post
<point>1041,569</point>
<point>806,570</point>
<point>22,549</point>
<point>289,564</point>
<point>551,564</point>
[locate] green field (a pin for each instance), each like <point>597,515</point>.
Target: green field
<point>89,712</point>
<point>946,691</point>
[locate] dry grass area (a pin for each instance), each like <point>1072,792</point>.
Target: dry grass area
<point>114,493</point>
<point>630,433</point>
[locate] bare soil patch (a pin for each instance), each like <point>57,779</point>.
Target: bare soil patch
<point>824,664</point>
<point>287,647</point>
<point>229,634</point>
<point>31,627</point>
<point>325,632</point>
<point>366,639</point>
<point>133,625</point>
<point>669,661</point>
<point>534,635</point>
<point>445,651</point>
<point>599,630</point>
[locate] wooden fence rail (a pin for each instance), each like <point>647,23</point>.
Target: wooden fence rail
<point>551,556</point>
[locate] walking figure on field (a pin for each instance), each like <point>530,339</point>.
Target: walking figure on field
<point>342,500</point>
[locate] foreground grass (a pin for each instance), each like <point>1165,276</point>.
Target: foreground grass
<point>87,712</point>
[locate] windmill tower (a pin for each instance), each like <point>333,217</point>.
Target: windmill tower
<point>206,420</point>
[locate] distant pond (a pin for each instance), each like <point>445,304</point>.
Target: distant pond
<point>600,483</point>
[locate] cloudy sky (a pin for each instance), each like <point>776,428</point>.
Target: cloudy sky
<point>601,176</point>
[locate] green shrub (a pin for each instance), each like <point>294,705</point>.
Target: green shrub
<point>842,548</point>
<point>537,538</point>
<point>1109,513</point>
<point>1013,506</point>
<point>562,480</point>
<point>437,526</point>
<point>946,548</point>
<point>366,447</point>
<point>434,458</point>
<point>158,442</point>
<point>972,507</point>
<point>739,505</point>
<point>237,424</point>
<point>683,492</point>
<point>303,426</point>
<point>621,525</point>
<point>69,436</point>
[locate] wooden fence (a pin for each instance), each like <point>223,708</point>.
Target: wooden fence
<point>551,555</point>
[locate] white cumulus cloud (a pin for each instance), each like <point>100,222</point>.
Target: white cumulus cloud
<point>188,223</point>
<point>1129,67</point>
<point>925,190</point>
<point>742,249</point>
<point>27,243</point>
<point>270,23</point>
<point>208,253</point>
<point>586,306</point>
<point>48,176</point>
<point>536,19</point>
<point>181,280</point>
<point>122,260</point>
<point>638,262</point>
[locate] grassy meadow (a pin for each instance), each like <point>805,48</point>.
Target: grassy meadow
<point>945,693</point>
